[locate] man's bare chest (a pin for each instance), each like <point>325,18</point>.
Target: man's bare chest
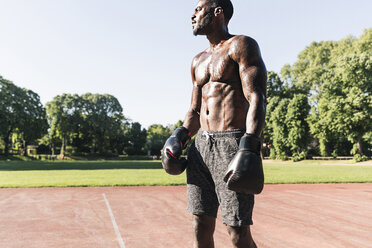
<point>215,67</point>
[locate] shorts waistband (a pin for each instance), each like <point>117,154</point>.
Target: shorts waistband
<point>234,133</point>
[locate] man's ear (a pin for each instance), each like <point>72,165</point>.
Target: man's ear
<point>218,11</point>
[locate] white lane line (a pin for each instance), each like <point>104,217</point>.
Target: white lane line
<point>118,235</point>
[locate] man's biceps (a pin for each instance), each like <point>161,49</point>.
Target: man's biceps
<point>248,74</point>
<point>246,68</point>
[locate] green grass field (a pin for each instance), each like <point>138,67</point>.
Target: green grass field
<point>131,173</point>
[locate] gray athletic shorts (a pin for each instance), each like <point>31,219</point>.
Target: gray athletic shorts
<point>208,158</point>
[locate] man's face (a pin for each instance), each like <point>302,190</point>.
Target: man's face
<point>201,18</point>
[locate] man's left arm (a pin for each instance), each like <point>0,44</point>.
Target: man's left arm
<point>253,77</point>
<point>245,172</point>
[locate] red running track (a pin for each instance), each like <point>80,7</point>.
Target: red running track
<point>298,216</point>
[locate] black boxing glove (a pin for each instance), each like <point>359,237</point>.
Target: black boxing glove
<point>245,172</point>
<point>171,154</point>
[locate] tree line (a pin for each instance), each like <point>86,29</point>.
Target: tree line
<point>320,105</point>
<point>72,124</point>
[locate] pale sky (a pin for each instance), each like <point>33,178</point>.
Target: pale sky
<point>141,51</point>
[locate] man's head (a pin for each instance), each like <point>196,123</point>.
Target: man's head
<point>208,11</point>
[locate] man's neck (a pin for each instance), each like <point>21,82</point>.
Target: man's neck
<point>218,36</point>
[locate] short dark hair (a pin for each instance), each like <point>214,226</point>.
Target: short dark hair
<point>227,7</point>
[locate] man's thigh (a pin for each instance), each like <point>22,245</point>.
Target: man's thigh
<point>202,198</point>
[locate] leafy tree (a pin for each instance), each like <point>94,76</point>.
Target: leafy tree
<point>268,133</point>
<point>33,124</point>
<point>336,75</point>
<point>91,120</point>
<point>353,98</point>
<point>298,135</point>
<point>62,113</point>
<point>280,130</point>
<point>136,137</point>
<point>156,137</point>
<point>20,112</point>
<point>344,99</point>
<point>10,110</point>
<point>276,87</point>
<point>311,68</point>
<point>277,90</point>
<point>103,117</point>
<point>117,142</point>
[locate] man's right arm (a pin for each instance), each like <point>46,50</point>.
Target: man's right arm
<point>172,161</point>
<point>192,119</point>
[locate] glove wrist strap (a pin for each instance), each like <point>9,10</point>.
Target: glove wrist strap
<point>250,142</point>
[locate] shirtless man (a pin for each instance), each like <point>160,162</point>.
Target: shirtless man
<point>227,113</point>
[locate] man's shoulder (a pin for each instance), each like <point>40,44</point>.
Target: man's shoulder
<point>243,46</point>
<point>243,41</point>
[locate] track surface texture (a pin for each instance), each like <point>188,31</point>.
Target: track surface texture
<point>313,215</point>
